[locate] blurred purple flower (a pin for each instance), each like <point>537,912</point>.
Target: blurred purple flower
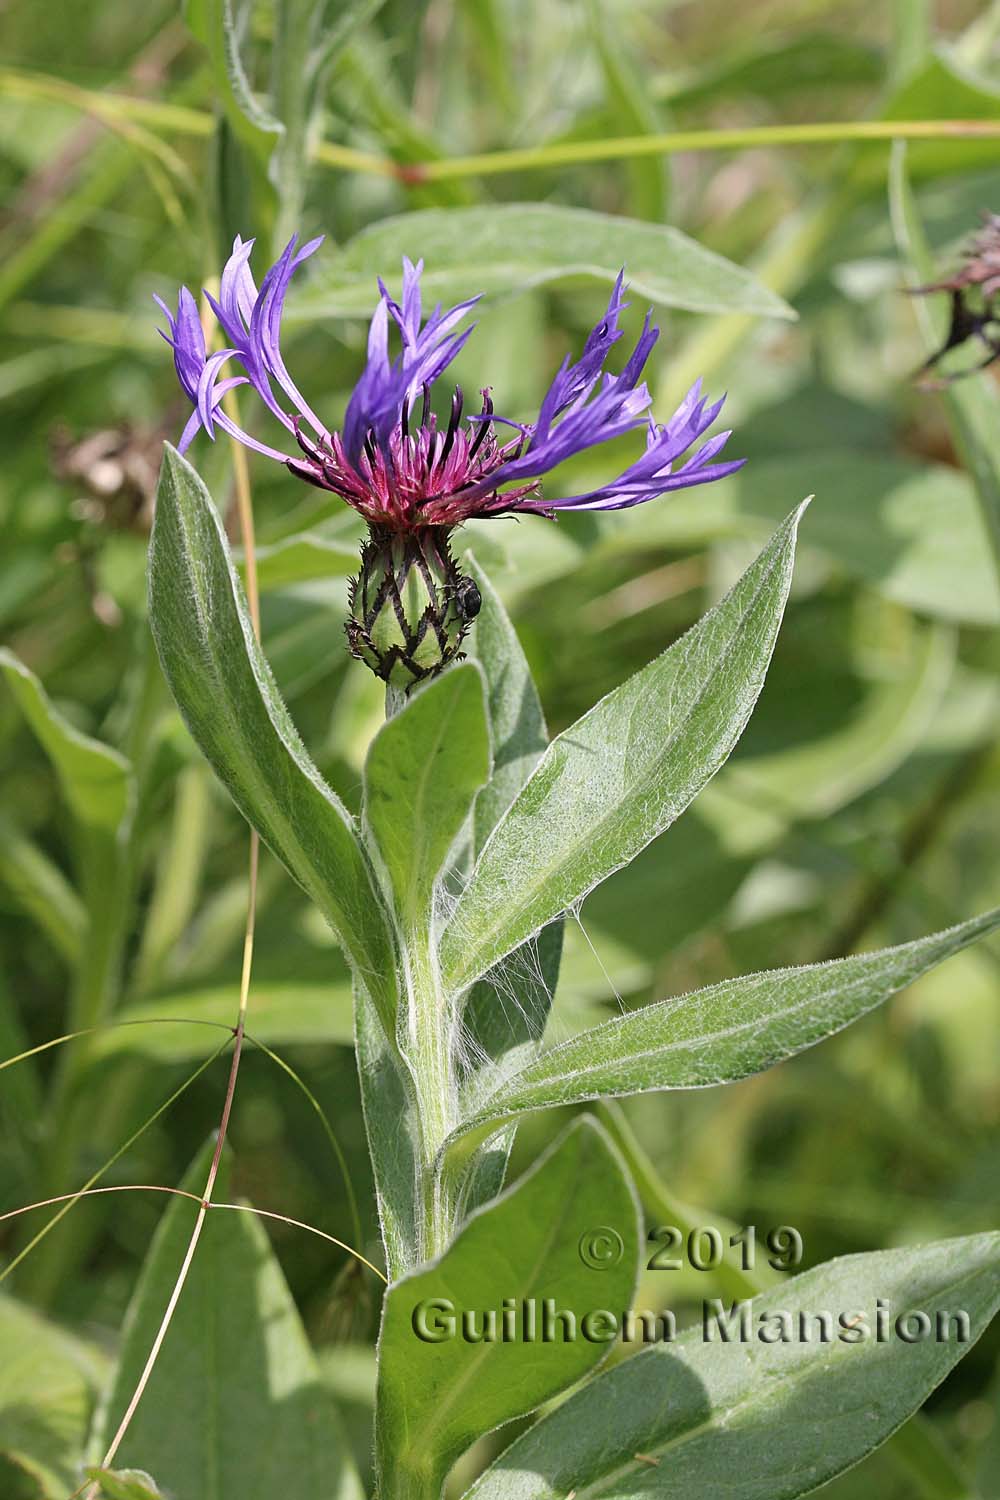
<point>392,461</point>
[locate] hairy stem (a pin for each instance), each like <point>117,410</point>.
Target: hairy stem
<point>429,1053</point>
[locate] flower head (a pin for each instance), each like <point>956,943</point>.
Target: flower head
<point>973,289</point>
<point>409,474</point>
<point>392,459</point>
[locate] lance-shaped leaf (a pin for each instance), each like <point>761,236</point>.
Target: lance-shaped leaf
<point>393,1129</point>
<point>230,702</point>
<point>235,1405</point>
<point>95,779</point>
<point>509,247</point>
<point>40,889</point>
<point>723,1033</point>
<point>778,1406</point>
<point>517,722</point>
<point>423,770</point>
<point>621,775</point>
<point>506,1011</point>
<point>560,1243</point>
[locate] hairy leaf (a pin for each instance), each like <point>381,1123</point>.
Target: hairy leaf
<point>438,1394</point>
<point>214,24</point>
<point>505,1013</point>
<point>423,770</point>
<point>722,1033</point>
<point>227,695</point>
<point>623,773</point>
<point>517,723</point>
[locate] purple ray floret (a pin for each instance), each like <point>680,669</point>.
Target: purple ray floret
<point>392,460</point>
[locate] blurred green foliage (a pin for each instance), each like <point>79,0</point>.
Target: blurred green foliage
<point>863,805</point>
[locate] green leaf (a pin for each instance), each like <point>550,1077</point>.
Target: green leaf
<point>437,1395</point>
<point>623,773</point>
<point>685,1418</point>
<point>676,887</point>
<point>773,67</point>
<point>942,90</point>
<point>41,889</point>
<point>235,177</point>
<point>48,1381</point>
<point>95,780</point>
<point>422,773</point>
<point>280,1015</point>
<point>307,35</point>
<point>22,1101</point>
<point>392,1128</point>
<point>509,1009</point>
<point>510,247</point>
<point>517,723</point>
<point>125,1484</point>
<point>214,25</point>
<point>334,26</point>
<point>505,1013</point>
<point>227,695</point>
<point>723,1033</point>
<point>235,1405</point>
<point>492,55</point>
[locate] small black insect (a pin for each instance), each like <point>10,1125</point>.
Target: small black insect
<point>468,599</point>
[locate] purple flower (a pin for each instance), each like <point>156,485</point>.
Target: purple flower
<point>392,461</point>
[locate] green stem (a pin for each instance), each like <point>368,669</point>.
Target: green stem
<point>409,1484</point>
<point>395,700</point>
<point>429,1053</point>
<point>576,153</point>
<point>184,121</point>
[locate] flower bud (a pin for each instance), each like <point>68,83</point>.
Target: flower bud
<point>410,606</point>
